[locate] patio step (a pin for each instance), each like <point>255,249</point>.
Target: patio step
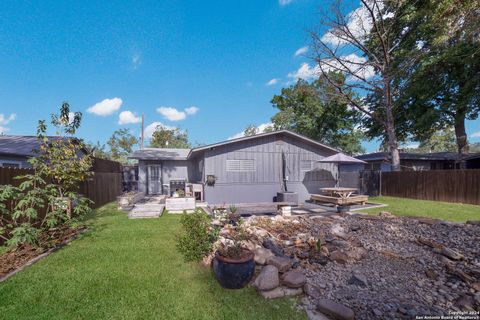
<point>144,210</point>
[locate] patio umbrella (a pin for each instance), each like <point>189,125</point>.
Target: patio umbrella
<point>339,159</point>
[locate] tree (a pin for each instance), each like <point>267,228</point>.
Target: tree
<point>169,138</point>
<point>316,111</point>
<point>440,67</point>
<point>47,197</point>
<point>359,45</point>
<point>121,144</point>
<point>250,130</point>
<point>98,150</point>
<point>440,141</point>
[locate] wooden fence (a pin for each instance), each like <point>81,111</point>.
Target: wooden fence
<point>460,186</point>
<point>101,187</point>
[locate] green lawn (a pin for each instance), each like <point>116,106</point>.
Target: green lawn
<point>423,208</point>
<point>129,269</point>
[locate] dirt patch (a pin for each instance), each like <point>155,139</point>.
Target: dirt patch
<point>18,257</point>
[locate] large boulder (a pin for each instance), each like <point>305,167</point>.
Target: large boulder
<point>282,263</point>
<point>294,279</point>
<point>281,292</point>
<point>267,279</point>
<point>335,310</point>
<point>262,254</point>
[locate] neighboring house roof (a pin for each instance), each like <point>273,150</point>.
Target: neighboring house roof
<point>385,156</point>
<point>24,146</point>
<point>184,154</point>
<point>160,154</point>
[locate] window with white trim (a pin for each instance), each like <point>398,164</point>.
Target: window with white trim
<point>240,165</point>
<point>305,165</point>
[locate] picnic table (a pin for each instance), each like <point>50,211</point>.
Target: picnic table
<point>341,192</point>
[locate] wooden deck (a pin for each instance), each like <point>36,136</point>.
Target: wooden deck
<point>354,199</point>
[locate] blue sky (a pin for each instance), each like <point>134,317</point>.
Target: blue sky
<point>203,66</point>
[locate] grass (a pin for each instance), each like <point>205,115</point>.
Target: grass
<point>129,269</point>
<point>424,208</point>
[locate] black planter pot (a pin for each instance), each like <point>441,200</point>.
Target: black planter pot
<point>234,273</point>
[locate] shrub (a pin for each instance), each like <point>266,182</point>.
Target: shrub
<point>198,237</point>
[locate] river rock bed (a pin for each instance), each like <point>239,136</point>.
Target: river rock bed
<point>375,266</point>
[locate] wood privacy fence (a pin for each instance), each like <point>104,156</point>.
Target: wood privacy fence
<point>101,187</point>
<point>461,186</point>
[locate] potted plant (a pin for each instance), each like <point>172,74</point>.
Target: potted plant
<point>233,264</point>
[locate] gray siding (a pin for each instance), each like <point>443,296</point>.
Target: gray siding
<point>263,183</point>
<point>171,170</point>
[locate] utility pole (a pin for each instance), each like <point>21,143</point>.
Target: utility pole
<point>143,128</point>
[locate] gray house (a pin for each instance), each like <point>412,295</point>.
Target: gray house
<point>247,169</point>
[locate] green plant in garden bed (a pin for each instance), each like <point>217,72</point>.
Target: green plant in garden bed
<point>49,196</point>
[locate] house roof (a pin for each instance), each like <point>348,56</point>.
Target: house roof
<point>24,146</point>
<point>184,154</point>
<point>286,132</point>
<point>160,154</point>
<point>385,156</point>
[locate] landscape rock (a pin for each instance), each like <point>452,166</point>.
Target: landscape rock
<point>338,257</point>
<point>430,273</point>
<point>335,310</point>
<point>386,214</point>
<point>271,244</point>
<point>294,279</point>
<point>282,263</point>
<point>358,280</point>
<point>357,253</point>
<point>452,254</point>
<point>267,279</point>
<point>339,232</point>
<point>262,254</point>
<point>465,302</point>
<point>280,292</point>
<point>312,290</point>
<point>315,315</point>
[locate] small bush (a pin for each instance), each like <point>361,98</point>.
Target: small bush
<point>198,237</point>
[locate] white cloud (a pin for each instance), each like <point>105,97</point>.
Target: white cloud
<point>136,60</point>
<point>284,2</point>
<point>105,107</point>
<point>359,23</point>
<point>355,64</point>
<point>150,129</point>
<point>475,134</point>
<point>260,129</point>
<point>191,110</point>
<point>301,51</point>
<point>272,82</point>
<point>127,117</point>
<point>6,120</point>
<point>305,72</point>
<point>173,114</point>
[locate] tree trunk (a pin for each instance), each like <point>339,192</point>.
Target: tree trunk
<point>390,127</point>
<point>460,133</point>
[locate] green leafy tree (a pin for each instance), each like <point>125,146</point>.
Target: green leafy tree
<point>169,138</point>
<point>121,144</point>
<point>250,130</point>
<point>58,169</point>
<point>438,65</point>
<point>314,110</point>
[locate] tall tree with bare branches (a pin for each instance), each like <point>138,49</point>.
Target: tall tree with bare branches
<point>361,44</point>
